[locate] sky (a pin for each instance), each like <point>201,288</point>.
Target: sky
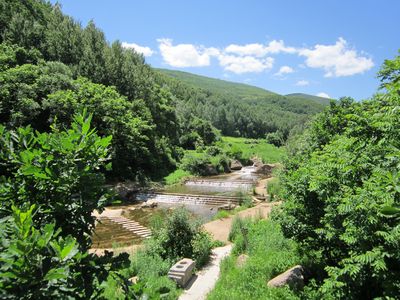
<point>331,48</point>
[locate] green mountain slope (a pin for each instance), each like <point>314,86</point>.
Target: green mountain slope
<point>321,100</point>
<point>239,90</point>
<point>238,109</point>
<point>218,85</point>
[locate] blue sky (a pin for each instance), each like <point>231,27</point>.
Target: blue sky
<point>310,46</point>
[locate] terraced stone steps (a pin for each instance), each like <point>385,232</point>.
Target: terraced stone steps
<point>132,226</point>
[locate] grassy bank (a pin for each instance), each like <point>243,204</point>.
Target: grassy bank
<point>269,254</point>
<point>198,162</point>
<point>244,149</point>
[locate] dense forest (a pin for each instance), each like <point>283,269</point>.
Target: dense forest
<point>239,109</point>
<point>52,67</point>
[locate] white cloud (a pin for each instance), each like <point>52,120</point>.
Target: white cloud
<point>302,83</point>
<point>185,55</point>
<point>323,95</point>
<point>249,49</point>
<point>245,64</point>
<point>337,60</point>
<point>279,46</point>
<point>259,50</point>
<point>146,51</point>
<point>284,70</point>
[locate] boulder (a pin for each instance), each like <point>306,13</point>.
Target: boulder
<point>235,165</point>
<point>294,278</point>
<point>126,190</point>
<point>241,260</point>
<point>265,169</point>
<point>209,169</point>
<point>261,197</point>
<point>133,279</point>
<point>149,204</point>
<point>228,206</point>
<point>256,161</point>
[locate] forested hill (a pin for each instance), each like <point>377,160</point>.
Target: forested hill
<point>239,109</point>
<point>217,85</point>
<point>52,67</point>
<point>301,96</point>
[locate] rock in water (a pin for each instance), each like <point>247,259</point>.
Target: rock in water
<point>235,165</point>
<point>265,169</point>
<point>293,277</point>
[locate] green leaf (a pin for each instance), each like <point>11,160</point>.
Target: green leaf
<point>54,274</point>
<point>35,171</point>
<point>390,210</point>
<point>69,250</point>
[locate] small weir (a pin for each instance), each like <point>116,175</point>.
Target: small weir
<point>188,199</point>
<point>233,184</point>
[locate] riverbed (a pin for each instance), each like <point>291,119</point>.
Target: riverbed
<point>118,225</point>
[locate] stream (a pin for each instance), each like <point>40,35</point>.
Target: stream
<point>126,225</point>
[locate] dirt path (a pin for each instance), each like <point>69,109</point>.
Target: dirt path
<point>204,281</point>
<point>220,228</point>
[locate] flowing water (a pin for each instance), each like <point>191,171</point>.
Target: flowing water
<point>201,196</point>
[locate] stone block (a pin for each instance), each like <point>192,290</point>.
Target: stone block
<point>182,271</point>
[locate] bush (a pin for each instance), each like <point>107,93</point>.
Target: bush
<point>221,214</point>
<point>202,245</point>
<point>152,271</point>
<point>274,189</point>
<point>176,177</point>
<point>245,200</point>
<point>36,262</point>
<point>180,237</point>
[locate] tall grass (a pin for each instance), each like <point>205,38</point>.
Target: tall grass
<point>269,255</point>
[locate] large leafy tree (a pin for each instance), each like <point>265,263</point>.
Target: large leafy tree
<point>337,182</point>
<point>128,122</point>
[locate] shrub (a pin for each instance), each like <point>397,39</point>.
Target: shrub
<point>202,245</point>
<point>221,214</point>
<point>181,237</point>
<point>152,271</point>
<point>36,262</point>
<point>274,188</point>
<point>176,177</point>
<point>245,199</point>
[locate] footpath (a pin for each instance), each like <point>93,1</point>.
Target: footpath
<point>204,281</point>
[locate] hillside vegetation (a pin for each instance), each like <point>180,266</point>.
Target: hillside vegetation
<point>340,216</point>
<point>307,97</point>
<point>238,109</point>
